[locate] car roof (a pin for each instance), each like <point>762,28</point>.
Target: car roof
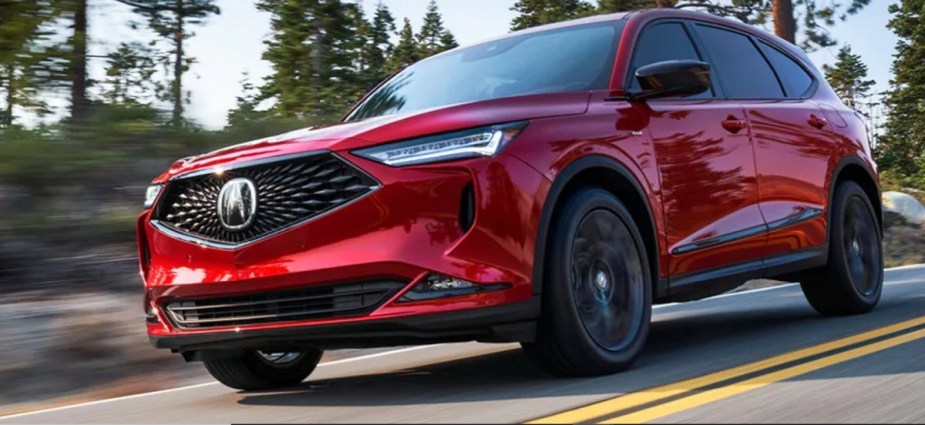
<point>656,13</point>
<point>653,14</point>
<point>610,17</point>
<point>668,13</point>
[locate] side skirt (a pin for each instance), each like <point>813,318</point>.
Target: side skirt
<point>702,284</point>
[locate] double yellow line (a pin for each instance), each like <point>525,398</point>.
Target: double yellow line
<point>652,404</point>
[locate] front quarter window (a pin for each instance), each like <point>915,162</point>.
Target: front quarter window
<point>569,59</point>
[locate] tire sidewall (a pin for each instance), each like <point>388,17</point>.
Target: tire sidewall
<point>296,371</point>
<point>560,294</point>
<point>838,255</point>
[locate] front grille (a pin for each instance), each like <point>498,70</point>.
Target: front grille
<point>289,191</point>
<point>320,302</point>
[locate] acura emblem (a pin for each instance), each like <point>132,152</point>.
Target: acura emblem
<point>237,204</point>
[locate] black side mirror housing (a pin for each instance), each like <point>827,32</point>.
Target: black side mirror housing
<point>674,78</point>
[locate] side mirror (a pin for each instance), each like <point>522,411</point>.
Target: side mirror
<point>672,78</point>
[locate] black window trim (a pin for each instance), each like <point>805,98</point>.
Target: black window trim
<point>813,82</point>
<point>755,40</point>
<point>718,93</point>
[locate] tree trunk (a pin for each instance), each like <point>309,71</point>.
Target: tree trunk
<point>7,119</point>
<point>785,25</point>
<point>79,104</point>
<point>317,61</point>
<point>178,67</point>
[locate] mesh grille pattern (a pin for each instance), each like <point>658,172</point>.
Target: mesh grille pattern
<point>288,192</point>
<point>330,301</point>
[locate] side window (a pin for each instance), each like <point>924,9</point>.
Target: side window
<point>744,72</point>
<point>662,42</point>
<point>794,77</point>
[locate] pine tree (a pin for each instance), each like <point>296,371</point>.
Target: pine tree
<point>357,51</point>
<point>848,78</point>
<point>314,55</point>
<point>433,35</point>
<point>172,19</point>
<point>379,46</point>
<point>612,6</point>
<point>406,52</point>
<point>373,43</point>
<point>291,82</point>
<point>245,110</point>
<point>901,146</point>
<point>383,26</point>
<point>29,62</point>
<point>540,12</point>
<point>77,62</point>
<point>448,41</point>
<point>129,73</point>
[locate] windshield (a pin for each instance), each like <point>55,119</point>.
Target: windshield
<point>569,59</point>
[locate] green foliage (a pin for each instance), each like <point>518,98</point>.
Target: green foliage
<point>129,75</point>
<point>290,84</point>
<point>448,40</point>
<point>373,44</point>
<point>532,13</point>
<point>172,20</point>
<point>433,37</point>
<point>314,53</point>
<point>848,78</point>
<point>406,52</point>
<point>612,6</point>
<point>28,58</point>
<point>903,143</point>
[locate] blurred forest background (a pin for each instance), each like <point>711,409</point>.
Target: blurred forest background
<point>72,184</point>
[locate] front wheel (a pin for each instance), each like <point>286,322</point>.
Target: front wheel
<point>597,297</point>
<point>852,280</point>
<point>264,370</point>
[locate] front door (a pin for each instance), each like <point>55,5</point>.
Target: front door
<point>706,164</point>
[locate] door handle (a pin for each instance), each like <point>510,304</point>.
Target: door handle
<point>817,122</point>
<point>733,124</point>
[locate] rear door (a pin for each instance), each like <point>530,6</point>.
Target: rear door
<point>706,165</point>
<point>789,133</point>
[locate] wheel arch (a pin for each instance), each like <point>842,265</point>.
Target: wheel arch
<point>610,175</point>
<point>855,169</point>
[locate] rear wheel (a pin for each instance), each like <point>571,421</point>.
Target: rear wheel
<point>597,299</point>
<point>852,280</point>
<point>263,370</point>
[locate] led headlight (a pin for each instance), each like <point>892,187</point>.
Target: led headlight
<point>483,141</point>
<point>151,194</point>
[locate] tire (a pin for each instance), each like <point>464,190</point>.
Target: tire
<point>852,280</point>
<point>597,299</point>
<point>258,371</point>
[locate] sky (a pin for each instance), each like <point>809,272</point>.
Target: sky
<point>232,43</point>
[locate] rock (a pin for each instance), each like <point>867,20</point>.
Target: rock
<point>905,205</point>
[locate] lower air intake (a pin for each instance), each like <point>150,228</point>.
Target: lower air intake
<point>320,302</point>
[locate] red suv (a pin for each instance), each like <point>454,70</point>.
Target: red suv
<point>545,187</point>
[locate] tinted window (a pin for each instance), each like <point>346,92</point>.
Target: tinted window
<point>745,74</point>
<point>565,60</point>
<point>794,78</point>
<point>662,42</point>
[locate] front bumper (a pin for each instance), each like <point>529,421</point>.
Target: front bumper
<point>503,323</point>
<point>405,230</point>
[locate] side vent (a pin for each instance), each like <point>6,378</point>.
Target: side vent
<point>467,208</point>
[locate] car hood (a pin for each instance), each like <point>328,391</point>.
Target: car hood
<point>390,128</point>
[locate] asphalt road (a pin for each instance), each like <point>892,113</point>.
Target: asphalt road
<point>759,356</point>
